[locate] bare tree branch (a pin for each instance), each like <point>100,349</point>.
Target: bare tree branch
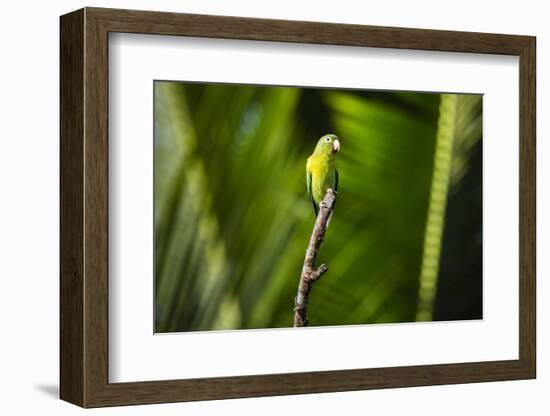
<point>311,274</point>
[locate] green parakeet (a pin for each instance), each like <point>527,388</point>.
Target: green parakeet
<point>321,172</point>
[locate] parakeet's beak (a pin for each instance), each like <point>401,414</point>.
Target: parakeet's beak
<point>336,146</point>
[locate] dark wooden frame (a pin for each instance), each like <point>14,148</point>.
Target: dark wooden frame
<point>84,207</point>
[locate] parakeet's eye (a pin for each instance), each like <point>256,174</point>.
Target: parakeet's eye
<point>327,139</point>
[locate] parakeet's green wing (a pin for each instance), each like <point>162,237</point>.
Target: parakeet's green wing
<point>310,193</point>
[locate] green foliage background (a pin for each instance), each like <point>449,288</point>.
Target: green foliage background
<point>232,217</point>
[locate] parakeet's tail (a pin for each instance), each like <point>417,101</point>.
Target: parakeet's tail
<point>329,218</point>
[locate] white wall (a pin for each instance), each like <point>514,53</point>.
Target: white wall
<point>29,208</point>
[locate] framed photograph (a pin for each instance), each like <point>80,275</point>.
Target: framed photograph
<point>255,207</point>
